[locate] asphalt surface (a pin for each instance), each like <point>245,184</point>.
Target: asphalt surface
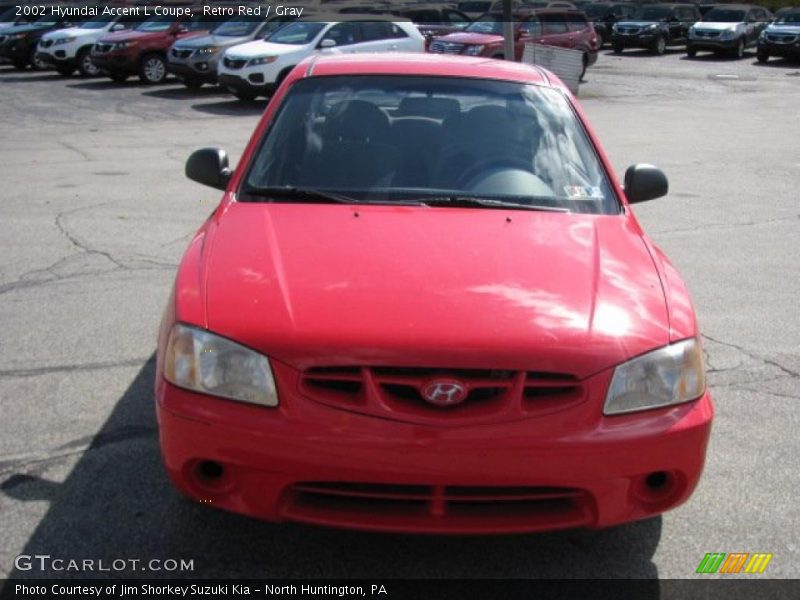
<point>95,213</point>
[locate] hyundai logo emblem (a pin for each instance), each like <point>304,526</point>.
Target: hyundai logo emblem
<point>444,392</point>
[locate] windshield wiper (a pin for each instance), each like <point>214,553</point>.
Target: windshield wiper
<point>471,201</point>
<point>318,196</point>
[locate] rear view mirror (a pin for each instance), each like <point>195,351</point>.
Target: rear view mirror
<point>645,182</point>
<point>209,166</point>
<point>327,43</point>
<point>117,27</point>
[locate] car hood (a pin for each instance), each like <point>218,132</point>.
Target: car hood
<point>468,37</point>
<point>126,36</point>
<point>26,28</point>
<point>434,287</point>
<point>783,28</point>
<point>262,48</point>
<point>70,32</point>
<point>212,40</point>
<point>711,26</point>
<point>639,23</point>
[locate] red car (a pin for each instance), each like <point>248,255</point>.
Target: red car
<point>552,27</point>
<point>142,51</point>
<point>425,305</point>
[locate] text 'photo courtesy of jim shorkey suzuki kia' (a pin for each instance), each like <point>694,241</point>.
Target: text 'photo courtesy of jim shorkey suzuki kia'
<point>424,304</point>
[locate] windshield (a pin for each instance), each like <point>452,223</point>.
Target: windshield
<point>724,15</point>
<point>401,138</point>
<point>161,23</point>
<point>297,33</point>
<point>488,24</point>
<point>97,22</point>
<point>790,19</point>
<point>240,26</point>
<point>652,13</point>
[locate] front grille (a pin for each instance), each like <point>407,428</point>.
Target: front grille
<point>46,43</point>
<point>781,39</point>
<point>234,63</point>
<point>707,34</point>
<point>386,506</point>
<point>440,47</point>
<point>397,392</point>
<point>102,48</point>
<point>177,53</point>
<point>628,30</point>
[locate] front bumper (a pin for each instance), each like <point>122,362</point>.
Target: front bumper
<point>639,40</point>
<point>201,70</point>
<point>116,62</point>
<point>779,49</point>
<point>234,83</point>
<point>713,44</point>
<point>15,50</point>
<point>307,462</point>
<point>57,58</point>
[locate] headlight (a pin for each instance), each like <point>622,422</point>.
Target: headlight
<point>262,60</point>
<point>651,27</point>
<point>763,35</point>
<point>614,28</point>
<point>473,50</point>
<point>65,40</point>
<point>728,34</point>
<point>664,377</point>
<point>124,45</point>
<point>203,362</point>
<point>19,36</point>
<point>209,50</point>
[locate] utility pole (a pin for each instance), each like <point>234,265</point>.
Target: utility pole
<point>508,30</point>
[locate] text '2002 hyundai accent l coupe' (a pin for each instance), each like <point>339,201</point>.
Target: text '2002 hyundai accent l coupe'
<point>424,304</point>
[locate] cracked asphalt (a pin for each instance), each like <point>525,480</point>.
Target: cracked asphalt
<point>95,213</point>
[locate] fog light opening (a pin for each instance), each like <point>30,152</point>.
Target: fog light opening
<point>209,476</point>
<point>657,481</point>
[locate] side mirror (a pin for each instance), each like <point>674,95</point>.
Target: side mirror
<point>327,43</point>
<point>117,27</point>
<point>645,182</point>
<point>181,29</point>
<point>209,166</point>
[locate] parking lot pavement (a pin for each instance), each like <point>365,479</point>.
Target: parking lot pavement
<point>95,213</point>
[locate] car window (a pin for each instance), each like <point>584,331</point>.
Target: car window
<point>239,26</point>
<point>357,136</point>
<point>576,22</point>
<point>160,23</point>
<point>374,30</point>
<point>343,34</point>
<point>490,24</point>
<point>531,27</point>
<point>724,15</point>
<point>554,24</point>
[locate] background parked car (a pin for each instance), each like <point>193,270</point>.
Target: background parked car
<point>729,28</point>
<point>143,50</point>
<point>603,15</point>
<point>551,27</point>
<point>18,43</point>
<point>655,26</point>
<point>68,49</point>
<point>9,16</point>
<point>781,38</point>
<point>258,67</point>
<point>195,59</point>
<point>434,19</point>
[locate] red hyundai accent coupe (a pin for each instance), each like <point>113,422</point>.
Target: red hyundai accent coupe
<point>424,305</point>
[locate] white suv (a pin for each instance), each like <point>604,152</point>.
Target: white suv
<point>257,68</point>
<point>68,49</point>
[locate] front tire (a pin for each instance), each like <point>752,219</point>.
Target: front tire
<point>585,62</point>
<point>37,64</point>
<point>659,46</point>
<point>618,49</point>
<point>65,70</point>
<point>85,65</point>
<point>762,57</point>
<point>245,96</point>
<point>691,51</point>
<point>738,52</point>
<point>152,69</point>
<point>118,77</point>
<point>192,83</point>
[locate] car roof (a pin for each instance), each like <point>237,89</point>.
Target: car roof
<point>737,6</point>
<point>421,64</point>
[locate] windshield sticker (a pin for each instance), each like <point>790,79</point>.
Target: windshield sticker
<point>580,192</point>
